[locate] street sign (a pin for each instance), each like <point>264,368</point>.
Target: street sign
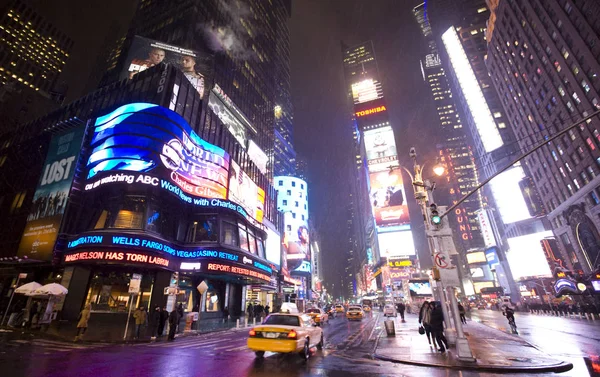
<point>441,260</point>
<point>134,283</point>
<point>22,276</point>
<point>449,277</point>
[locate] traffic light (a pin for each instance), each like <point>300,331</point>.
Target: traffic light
<point>434,215</point>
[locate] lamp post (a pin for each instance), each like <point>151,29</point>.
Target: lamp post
<point>424,195</point>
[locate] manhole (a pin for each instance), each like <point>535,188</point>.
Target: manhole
<point>520,359</point>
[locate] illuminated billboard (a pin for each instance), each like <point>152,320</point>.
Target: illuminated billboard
<point>381,148</point>
<point>526,257</point>
<point>258,156</point>
<point>476,257</point>
<point>396,244</point>
<point>296,244</point>
<point>233,119</point>
<point>50,198</point>
<point>148,138</point>
<point>508,195</point>
<point>469,85</point>
<point>244,191</point>
<point>366,90</point>
<point>145,53</point>
<point>272,244</point>
<point>388,198</point>
<point>420,288</point>
<point>486,228</point>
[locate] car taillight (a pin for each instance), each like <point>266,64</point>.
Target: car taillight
<point>292,335</point>
<point>318,316</point>
<point>252,332</point>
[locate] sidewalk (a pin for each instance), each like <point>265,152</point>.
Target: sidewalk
<point>494,350</point>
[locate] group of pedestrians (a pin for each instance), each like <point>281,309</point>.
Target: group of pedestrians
<point>563,308</point>
<point>257,311</point>
<point>157,321</point>
<point>431,317</point>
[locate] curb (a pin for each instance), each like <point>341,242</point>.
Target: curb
<point>556,368</point>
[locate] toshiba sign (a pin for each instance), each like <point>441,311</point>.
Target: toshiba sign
<point>373,110</point>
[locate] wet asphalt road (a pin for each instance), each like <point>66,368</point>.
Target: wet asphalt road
<point>348,346</point>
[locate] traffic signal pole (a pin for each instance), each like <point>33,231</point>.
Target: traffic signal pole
<point>424,196</point>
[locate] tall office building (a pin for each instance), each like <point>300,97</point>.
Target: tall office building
<point>33,53</point>
<point>381,210</point>
<point>543,59</point>
<point>251,65</point>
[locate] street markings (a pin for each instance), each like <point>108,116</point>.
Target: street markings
<point>203,344</point>
<point>51,346</point>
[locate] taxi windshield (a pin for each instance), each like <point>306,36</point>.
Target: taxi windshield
<point>284,320</point>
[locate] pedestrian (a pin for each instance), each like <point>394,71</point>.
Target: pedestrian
<point>82,325</point>
<point>179,314</point>
<point>267,308</point>
<point>401,308</point>
<point>250,311</point>
<point>164,315</point>
<point>425,320</point>
<point>35,307</point>
<point>141,317</point>
<point>173,322</point>
<point>154,320</point>
<point>437,326</point>
<point>461,311</point>
<point>258,311</point>
<point>226,314</point>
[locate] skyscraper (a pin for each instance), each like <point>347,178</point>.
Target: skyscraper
<point>33,53</point>
<point>251,66</point>
<point>543,61</point>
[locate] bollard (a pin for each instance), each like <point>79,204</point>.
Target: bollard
<point>237,323</point>
<point>593,317</point>
<point>254,322</point>
<point>246,319</point>
<point>587,317</point>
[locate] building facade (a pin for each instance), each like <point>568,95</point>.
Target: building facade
<point>543,61</point>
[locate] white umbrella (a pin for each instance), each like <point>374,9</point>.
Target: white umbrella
<point>28,288</point>
<point>51,289</point>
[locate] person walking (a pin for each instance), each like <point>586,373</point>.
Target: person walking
<point>267,308</point>
<point>164,315</point>
<point>141,317</point>
<point>173,321</point>
<point>250,311</point>
<point>437,326</point>
<point>258,311</point>
<point>401,308</point>
<point>180,314</point>
<point>461,311</point>
<point>226,314</point>
<point>82,325</point>
<point>425,320</point>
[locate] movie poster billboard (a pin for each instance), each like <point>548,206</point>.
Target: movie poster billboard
<point>51,194</point>
<point>243,191</point>
<point>388,198</point>
<point>296,244</point>
<point>145,53</point>
<point>381,148</point>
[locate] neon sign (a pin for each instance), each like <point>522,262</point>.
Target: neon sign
<point>117,256</point>
<point>218,267</point>
<point>147,243</point>
<point>373,110</point>
<point>147,138</point>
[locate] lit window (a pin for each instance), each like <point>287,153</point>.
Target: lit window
<point>562,172</point>
<point>585,86</point>
<point>481,10</point>
<point>561,91</point>
<point>576,184</point>
<point>590,143</point>
<point>473,32</point>
<point>576,98</point>
<point>564,52</point>
<point>501,125</point>
<point>497,114</point>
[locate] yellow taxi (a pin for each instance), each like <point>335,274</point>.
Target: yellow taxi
<point>318,315</point>
<point>339,308</point>
<point>366,309</point>
<point>286,333</point>
<point>355,312</point>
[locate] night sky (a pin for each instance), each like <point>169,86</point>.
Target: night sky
<point>322,127</point>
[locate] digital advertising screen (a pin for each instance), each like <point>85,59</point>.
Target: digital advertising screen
<point>244,191</point>
<point>366,90</point>
<point>476,257</point>
<point>420,288</point>
<point>233,124</point>
<point>527,257</point>
<point>396,244</point>
<point>381,148</point>
<point>272,244</point>
<point>145,53</point>
<point>296,244</point>
<point>51,194</point>
<point>388,198</point>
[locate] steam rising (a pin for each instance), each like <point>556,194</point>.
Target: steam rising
<point>231,38</point>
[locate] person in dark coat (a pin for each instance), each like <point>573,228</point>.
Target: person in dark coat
<point>267,308</point>
<point>425,320</point>
<point>179,314</point>
<point>437,326</point>
<point>226,314</point>
<point>250,311</point>
<point>173,322</point>
<point>401,308</point>
<point>154,321</point>
<point>461,311</point>
<point>162,319</point>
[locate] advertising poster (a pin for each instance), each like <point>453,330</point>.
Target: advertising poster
<point>158,143</point>
<point>50,198</point>
<point>381,148</point>
<point>245,192</point>
<point>420,288</point>
<point>396,244</point>
<point>296,245</point>
<point>272,244</point>
<point>146,53</point>
<point>388,198</point>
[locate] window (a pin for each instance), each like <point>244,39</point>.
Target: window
<point>285,202</point>
<point>575,159</point>
<point>591,171</point>
<point>562,172</point>
<point>252,242</point>
<point>572,135</point>
<point>576,182</point>
<point>212,299</point>
<point>127,213</point>
<point>18,202</point>
<point>302,186</point>
<point>297,204</point>
<point>501,125</point>
<point>293,184</point>
<point>590,143</point>
<point>585,86</point>
<point>244,244</point>
<point>260,248</point>
<point>289,192</point>
<point>570,189</point>
<point>230,234</point>
<point>293,215</point>
<point>594,198</point>
<point>584,178</point>
<point>561,91</point>
<point>564,52</point>
<point>108,291</point>
<point>203,228</point>
<point>497,114</point>
<point>280,183</point>
<point>576,98</point>
<point>568,9</point>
